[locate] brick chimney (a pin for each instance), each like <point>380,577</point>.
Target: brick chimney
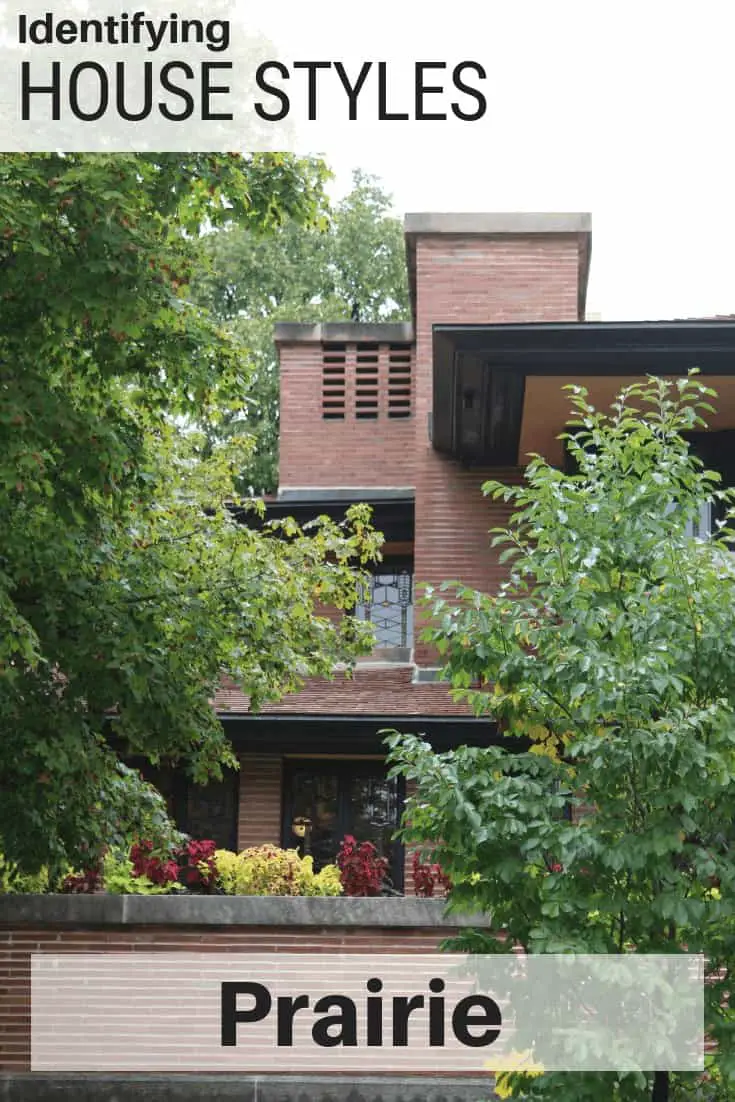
<point>347,406</point>
<point>478,269</point>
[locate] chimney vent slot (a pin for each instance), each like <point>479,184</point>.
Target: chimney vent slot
<point>399,381</point>
<point>333,382</point>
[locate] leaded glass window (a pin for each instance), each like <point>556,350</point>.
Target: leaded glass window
<point>387,603</point>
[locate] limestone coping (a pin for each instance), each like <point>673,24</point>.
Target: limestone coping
<point>188,1087</point>
<point>343,332</point>
<point>496,224</point>
<point>223,910</point>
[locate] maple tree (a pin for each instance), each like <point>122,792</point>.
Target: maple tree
<point>127,584</point>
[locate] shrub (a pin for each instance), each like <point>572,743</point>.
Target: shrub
<point>197,870</point>
<point>195,865</point>
<point>268,870</point>
<point>158,869</point>
<point>145,870</point>
<point>123,873</point>
<point>327,881</point>
<point>120,877</point>
<point>190,864</point>
<point>12,882</point>
<point>82,883</point>
<point>265,870</point>
<point>362,871</point>
<point>429,878</point>
<point>229,871</point>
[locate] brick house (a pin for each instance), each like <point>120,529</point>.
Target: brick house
<point>412,418</point>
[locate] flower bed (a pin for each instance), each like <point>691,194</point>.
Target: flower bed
<point>177,864</point>
<point>196,866</point>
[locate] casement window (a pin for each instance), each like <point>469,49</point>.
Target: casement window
<point>325,800</point>
<point>387,603</point>
<point>202,811</point>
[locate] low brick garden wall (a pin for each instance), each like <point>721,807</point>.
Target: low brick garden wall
<point>219,924</point>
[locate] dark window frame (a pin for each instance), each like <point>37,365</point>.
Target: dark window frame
<point>176,787</point>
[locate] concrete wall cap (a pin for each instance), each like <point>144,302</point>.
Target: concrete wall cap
<point>117,1087</point>
<point>343,332</point>
<point>497,224</point>
<point>88,911</point>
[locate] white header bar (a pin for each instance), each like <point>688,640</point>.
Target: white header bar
<point>218,76</point>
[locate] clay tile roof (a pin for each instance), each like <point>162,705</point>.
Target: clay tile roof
<point>384,690</point>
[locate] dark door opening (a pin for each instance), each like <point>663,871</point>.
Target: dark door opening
<point>336,798</point>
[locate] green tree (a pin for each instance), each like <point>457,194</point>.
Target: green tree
<point>127,586</point>
<point>610,650</point>
<point>350,266</point>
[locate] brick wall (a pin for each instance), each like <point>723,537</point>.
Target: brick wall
<point>475,280</point>
<point>453,532</point>
<point>496,280</point>
<point>348,451</point>
<point>259,814</point>
<point>17,942</point>
<point>467,278</point>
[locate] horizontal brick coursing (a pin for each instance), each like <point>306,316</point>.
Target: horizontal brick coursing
<point>259,814</point>
<point>17,944</point>
<point>454,542</point>
<point>318,453</point>
<point>485,282</point>
<point>495,281</point>
<point>463,280</point>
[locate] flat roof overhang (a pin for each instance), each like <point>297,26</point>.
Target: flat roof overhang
<point>620,348</point>
<point>483,375</point>
<point>392,510</point>
<point>356,734</point>
<point>348,735</point>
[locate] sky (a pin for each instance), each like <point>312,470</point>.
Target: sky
<point>621,110</point>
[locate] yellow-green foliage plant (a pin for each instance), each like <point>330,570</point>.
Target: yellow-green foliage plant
<point>325,882</point>
<point>268,870</point>
<point>13,882</point>
<point>119,878</point>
